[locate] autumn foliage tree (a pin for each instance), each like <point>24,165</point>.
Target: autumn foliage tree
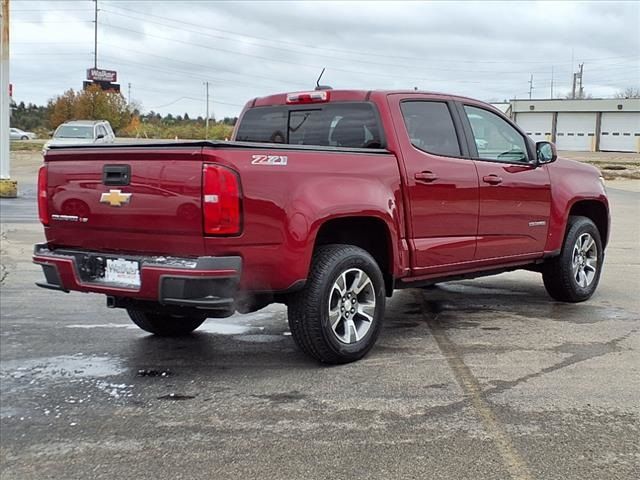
<point>90,104</point>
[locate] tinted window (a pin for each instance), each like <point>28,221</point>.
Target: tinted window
<point>265,124</point>
<point>495,138</point>
<point>338,124</point>
<point>430,127</point>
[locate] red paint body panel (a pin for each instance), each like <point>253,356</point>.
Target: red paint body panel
<point>443,212</point>
<point>284,207</point>
<point>571,182</point>
<point>508,210</point>
<point>164,214</point>
<point>453,224</point>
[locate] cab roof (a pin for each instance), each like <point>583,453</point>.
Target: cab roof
<point>349,95</point>
<point>85,123</point>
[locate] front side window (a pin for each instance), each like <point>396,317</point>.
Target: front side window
<point>345,124</point>
<point>495,138</point>
<point>430,127</point>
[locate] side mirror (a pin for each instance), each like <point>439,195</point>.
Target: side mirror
<point>100,135</point>
<point>546,152</point>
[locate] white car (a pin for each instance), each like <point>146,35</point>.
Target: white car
<point>481,144</point>
<point>80,132</point>
<point>17,134</point>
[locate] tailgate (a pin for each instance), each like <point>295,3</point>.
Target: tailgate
<point>126,199</point>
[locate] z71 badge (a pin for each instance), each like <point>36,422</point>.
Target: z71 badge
<point>269,160</point>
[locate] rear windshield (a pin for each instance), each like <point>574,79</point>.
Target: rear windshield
<point>330,125</point>
<point>71,131</point>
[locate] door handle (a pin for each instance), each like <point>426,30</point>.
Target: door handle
<point>492,179</point>
<point>426,176</point>
<point>116,174</point>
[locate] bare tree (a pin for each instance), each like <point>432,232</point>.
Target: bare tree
<point>629,92</point>
<point>579,96</point>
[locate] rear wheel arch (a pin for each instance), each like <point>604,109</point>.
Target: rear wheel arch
<point>372,234</point>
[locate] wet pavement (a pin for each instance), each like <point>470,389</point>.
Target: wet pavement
<point>476,379</point>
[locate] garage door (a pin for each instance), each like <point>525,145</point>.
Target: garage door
<point>620,132</point>
<point>536,125</point>
<point>576,131</point>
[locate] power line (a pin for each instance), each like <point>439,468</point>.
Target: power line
<point>198,65</point>
<point>51,21</point>
<point>183,73</point>
<point>299,64</point>
<point>46,10</point>
<point>298,52</point>
<point>145,16</point>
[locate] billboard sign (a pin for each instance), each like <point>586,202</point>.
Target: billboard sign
<point>106,86</point>
<point>100,75</point>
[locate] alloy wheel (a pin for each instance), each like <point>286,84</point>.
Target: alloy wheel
<point>352,305</point>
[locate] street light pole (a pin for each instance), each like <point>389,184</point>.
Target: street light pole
<point>8,187</point>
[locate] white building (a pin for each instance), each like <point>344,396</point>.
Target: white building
<point>582,125</point>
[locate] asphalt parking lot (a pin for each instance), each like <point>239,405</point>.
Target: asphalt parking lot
<point>482,379</point>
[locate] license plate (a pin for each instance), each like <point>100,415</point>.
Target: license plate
<point>124,272</point>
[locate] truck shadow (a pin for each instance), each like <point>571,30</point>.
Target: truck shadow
<point>265,343</point>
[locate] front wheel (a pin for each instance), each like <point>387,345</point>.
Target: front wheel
<point>164,324</point>
<point>337,317</point>
<point>574,275</point>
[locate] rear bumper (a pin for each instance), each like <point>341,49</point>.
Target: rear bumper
<point>204,282</point>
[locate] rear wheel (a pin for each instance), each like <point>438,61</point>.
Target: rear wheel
<point>166,325</point>
<point>337,317</point>
<point>573,276</point>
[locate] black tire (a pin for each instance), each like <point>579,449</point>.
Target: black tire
<point>166,325</point>
<point>308,310</point>
<point>24,137</point>
<point>558,274</point>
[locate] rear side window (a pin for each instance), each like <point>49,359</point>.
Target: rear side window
<point>264,125</point>
<point>338,125</point>
<point>430,127</point>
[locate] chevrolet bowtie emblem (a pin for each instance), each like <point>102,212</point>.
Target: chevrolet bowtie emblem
<point>115,198</point>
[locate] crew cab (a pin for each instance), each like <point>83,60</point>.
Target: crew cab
<point>325,201</point>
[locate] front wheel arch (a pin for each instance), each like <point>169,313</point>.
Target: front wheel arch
<point>594,210</point>
<point>561,274</point>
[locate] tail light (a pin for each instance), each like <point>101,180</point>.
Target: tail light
<point>220,200</point>
<point>308,97</point>
<point>43,201</point>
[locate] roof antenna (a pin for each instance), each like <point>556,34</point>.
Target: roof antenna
<point>322,87</point>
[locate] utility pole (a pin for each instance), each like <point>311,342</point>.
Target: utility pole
<point>530,86</point>
<point>576,76</point>
<point>95,35</point>
<point>129,93</point>
<point>581,90</point>
<point>8,187</point>
<point>551,82</point>
<point>206,121</point>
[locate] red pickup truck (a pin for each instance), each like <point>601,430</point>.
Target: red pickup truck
<point>325,201</point>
